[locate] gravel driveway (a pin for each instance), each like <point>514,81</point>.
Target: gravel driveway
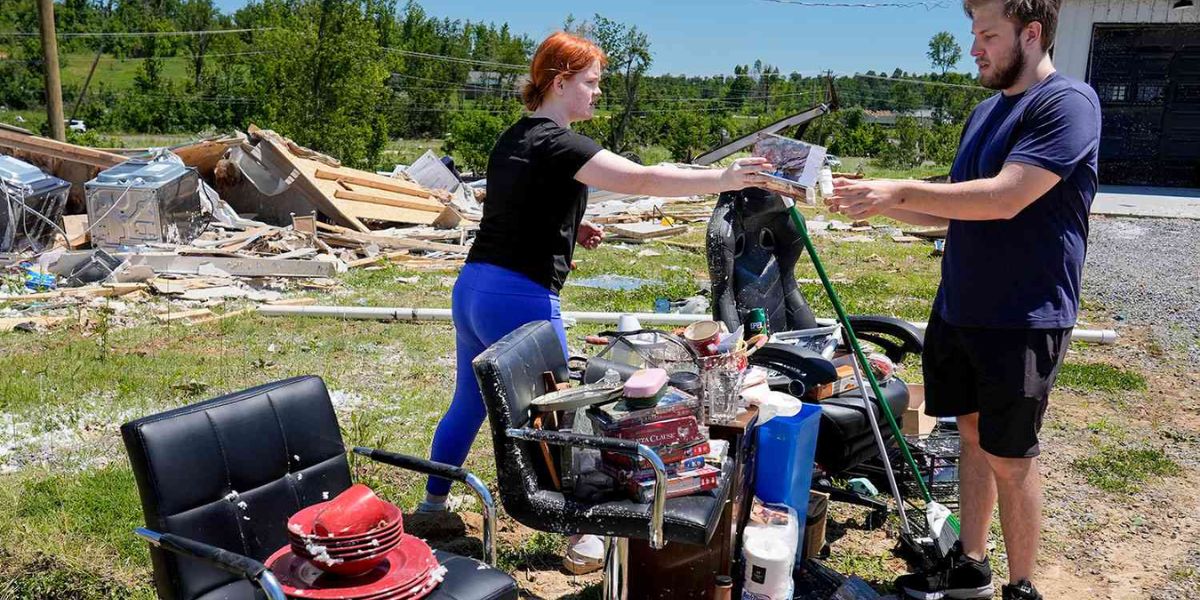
<point>1147,271</point>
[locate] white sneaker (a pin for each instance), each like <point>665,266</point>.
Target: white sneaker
<point>585,554</point>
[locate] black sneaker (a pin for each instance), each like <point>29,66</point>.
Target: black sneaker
<point>956,576</point>
<point>1021,590</point>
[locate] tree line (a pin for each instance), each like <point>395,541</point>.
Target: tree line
<point>347,76</point>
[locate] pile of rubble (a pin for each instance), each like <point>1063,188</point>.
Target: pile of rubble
<point>243,216</point>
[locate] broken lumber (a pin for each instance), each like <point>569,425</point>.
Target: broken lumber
<point>646,230</point>
<point>396,200</point>
<point>372,180</point>
<point>275,150</point>
<point>76,227</point>
<point>95,291</point>
<point>237,267</point>
<point>11,323</point>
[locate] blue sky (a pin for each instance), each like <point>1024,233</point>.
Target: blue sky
<point>705,37</point>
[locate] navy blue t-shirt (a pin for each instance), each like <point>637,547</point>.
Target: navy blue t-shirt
<point>1025,272</point>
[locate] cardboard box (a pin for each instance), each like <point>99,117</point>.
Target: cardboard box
<point>814,525</point>
<point>844,383</point>
<point>916,422</point>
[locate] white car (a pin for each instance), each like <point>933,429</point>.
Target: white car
<point>77,125</point>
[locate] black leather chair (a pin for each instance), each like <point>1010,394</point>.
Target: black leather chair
<point>753,248</point>
<point>510,376</point>
<point>219,479</point>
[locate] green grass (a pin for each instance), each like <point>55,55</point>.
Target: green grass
<point>1100,377</point>
<point>406,151</point>
<point>871,168</point>
<point>116,74</point>
<point>89,379</point>
<point>1122,468</point>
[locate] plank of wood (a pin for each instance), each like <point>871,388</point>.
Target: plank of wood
<point>203,155</point>
<point>387,241</point>
<point>372,180</point>
<point>11,323</point>
<point>94,291</point>
<point>370,260</point>
<point>76,227</point>
<point>380,212</point>
<point>397,200</point>
<point>647,230</point>
<point>46,147</point>
<point>238,267</point>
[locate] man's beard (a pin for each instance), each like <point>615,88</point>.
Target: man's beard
<point>1005,75</point>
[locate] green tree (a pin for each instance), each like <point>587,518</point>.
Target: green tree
<point>474,132</point>
<point>628,50</point>
<point>904,148</point>
<point>944,52</point>
<point>198,15</point>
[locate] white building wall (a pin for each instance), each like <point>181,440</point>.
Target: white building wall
<point>1073,44</point>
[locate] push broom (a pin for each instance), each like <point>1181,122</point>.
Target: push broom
<point>943,525</point>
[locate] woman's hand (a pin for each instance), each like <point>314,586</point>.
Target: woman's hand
<point>590,235</point>
<point>744,173</point>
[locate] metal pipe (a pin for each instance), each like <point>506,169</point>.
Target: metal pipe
<point>659,502</point>
<point>489,517</point>
<point>271,586</point>
<point>883,451</point>
<point>616,568</point>
<point>1091,336</point>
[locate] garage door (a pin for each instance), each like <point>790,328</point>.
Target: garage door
<point>1148,80</point>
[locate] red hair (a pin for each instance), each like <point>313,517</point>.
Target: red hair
<point>560,54</point>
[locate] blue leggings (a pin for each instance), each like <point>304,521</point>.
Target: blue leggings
<point>488,303</point>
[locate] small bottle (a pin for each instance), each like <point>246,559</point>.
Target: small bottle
<point>724,588</point>
<point>826,180</point>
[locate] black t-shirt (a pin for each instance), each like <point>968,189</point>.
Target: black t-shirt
<point>534,204</point>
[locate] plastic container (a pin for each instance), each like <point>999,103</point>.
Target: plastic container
<point>644,388</point>
<point>784,464</point>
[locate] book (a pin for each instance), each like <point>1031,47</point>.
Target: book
<point>683,484</point>
<point>668,455</point>
<point>674,403</point>
<point>669,432</point>
<point>624,474</point>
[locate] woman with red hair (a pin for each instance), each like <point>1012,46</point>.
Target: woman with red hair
<point>538,178</point>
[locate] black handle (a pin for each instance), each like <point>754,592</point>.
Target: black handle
<point>874,329</point>
<point>413,463</point>
<point>225,560</point>
<point>576,440</point>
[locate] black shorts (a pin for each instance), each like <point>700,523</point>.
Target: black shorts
<point>1005,375</point>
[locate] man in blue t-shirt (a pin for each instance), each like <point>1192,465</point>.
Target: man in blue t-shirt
<point>1017,212</point>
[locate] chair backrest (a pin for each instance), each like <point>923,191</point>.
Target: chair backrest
<point>230,471</point>
<point>510,377</point>
<point>753,247</point>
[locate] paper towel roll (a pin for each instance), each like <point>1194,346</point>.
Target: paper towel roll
<point>769,560</point>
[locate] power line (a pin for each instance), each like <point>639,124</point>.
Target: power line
<point>134,34</point>
<point>140,58</point>
<point>455,59</point>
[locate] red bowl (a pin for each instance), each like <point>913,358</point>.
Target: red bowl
<point>338,543</point>
<point>355,511</point>
<point>302,523</point>
<point>382,548</point>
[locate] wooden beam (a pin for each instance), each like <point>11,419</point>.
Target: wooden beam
<point>11,323</point>
<point>386,241</point>
<point>397,201</point>
<point>382,212</point>
<point>320,197</point>
<point>238,267</point>
<point>48,148</point>
<point>374,181</point>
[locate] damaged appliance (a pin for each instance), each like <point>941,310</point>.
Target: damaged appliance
<point>140,202</point>
<point>31,206</point>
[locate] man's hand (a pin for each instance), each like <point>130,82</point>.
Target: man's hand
<point>590,235</point>
<point>863,199</point>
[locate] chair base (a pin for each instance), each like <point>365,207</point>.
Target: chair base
<point>616,568</point>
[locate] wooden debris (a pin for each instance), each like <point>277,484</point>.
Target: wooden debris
<point>11,323</point>
<point>905,239</point>
<point>647,230</point>
<point>237,267</point>
<point>93,291</point>
<point>76,227</point>
<point>373,181</point>
<point>189,315</point>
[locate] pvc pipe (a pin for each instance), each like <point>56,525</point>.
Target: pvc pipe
<point>1090,336</point>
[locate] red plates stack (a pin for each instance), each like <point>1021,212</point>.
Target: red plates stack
<point>409,571</point>
<point>349,535</point>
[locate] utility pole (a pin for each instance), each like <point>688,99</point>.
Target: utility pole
<point>54,103</point>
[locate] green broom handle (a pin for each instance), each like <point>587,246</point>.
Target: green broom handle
<point>798,219</point>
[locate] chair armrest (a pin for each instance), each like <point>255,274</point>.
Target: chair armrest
<point>453,473</point>
<point>560,438</point>
<point>225,560</point>
<point>884,331</point>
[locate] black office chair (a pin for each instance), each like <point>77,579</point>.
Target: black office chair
<point>219,479</point>
<point>753,247</point>
<point>510,376</point>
